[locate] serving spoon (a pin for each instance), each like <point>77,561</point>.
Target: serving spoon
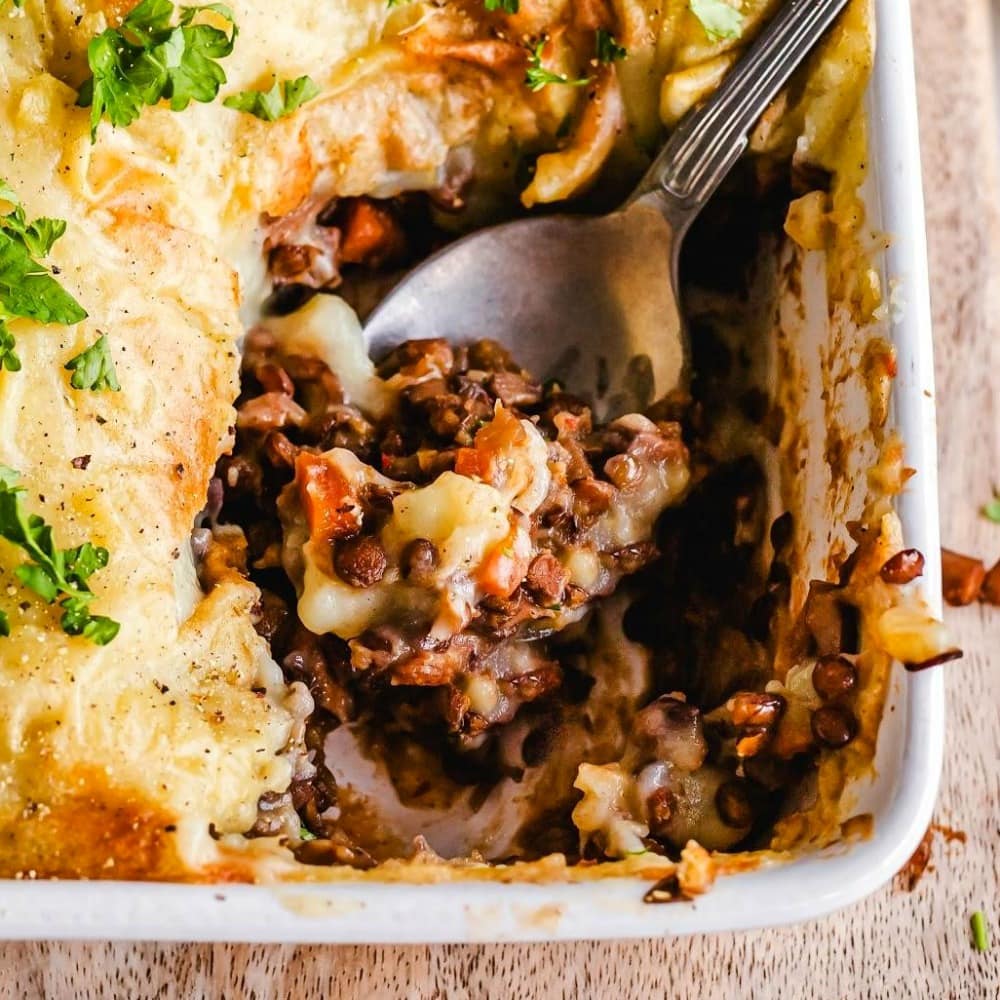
<point>595,299</point>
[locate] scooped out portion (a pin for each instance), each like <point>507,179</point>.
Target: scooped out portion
<point>505,512</point>
<point>525,631</point>
<point>480,512</point>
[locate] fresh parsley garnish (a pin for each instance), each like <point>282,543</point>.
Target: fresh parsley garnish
<point>279,101</point>
<point>538,76</point>
<point>507,6</point>
<point>980,935</point>
<point>155,55</point>
<point>991,509</point>
<point>27,289</point>
<point>718,18</point>
<point>8,353</point>
<point>608,50</point>
<point>38,236</point>
<point>94,368</point>
<point>56,575</point>
<point>305,834</point>
<point>17,3</point>
<point>4,624</point>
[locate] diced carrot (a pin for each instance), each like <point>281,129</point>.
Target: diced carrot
<point>371,234</point>
<point>961,577</point>
<point>496,443</point>
<point>467,462</point>
<point>331,509</point>
<point>990,590</point>
<point>506,565</point>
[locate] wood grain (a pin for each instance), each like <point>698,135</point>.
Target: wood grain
<point>896,944</point>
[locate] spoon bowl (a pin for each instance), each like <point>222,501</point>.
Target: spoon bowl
<point>594,300</point>
<point>588,299</point>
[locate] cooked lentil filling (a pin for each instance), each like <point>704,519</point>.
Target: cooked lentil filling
<point>442,576</point>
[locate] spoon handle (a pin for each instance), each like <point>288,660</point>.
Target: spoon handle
<point>709,141</point>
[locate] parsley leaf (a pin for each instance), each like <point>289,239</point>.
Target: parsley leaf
<point>608,50</point>
<point>507,6</point>
<point>991,509</point>
<point>21,240</point>
<point>8,356</point>
<point>76,620</point>
<point>94,368</point>
<point>149,58</point>
<point>537,76</point>
<point>980,935</point>
<point>54,574</point>
<point>4,624</point>
<point>27,289</point>
<point>278,102</point>
<point>719,20</point>
<point>197,76</point>
<point>39,236</point>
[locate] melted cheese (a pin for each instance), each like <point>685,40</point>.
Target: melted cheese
<point>464,519</point>
<point>632,520</point>
<point>605,810</point>
<point>327,604</point>
<point>329,329</point>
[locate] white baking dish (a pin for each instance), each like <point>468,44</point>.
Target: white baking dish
<point>900,797</point>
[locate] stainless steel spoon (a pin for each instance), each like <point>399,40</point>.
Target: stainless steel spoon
<point>594,300</point>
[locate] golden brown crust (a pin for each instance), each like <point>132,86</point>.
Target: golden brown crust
<point>88,830</point>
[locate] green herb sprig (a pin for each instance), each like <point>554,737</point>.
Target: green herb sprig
<point>94,368</point>
<point>54,574</point>
<point>537,76</point>
<point>980,935</point>
<point>278,102</point>
<point>607,49</point>
<point>507,6</point>
<point>155,55</point>
<point>720,21</point>
<point>27,288</point>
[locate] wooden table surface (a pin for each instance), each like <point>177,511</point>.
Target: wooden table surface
<point>896,944</point>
